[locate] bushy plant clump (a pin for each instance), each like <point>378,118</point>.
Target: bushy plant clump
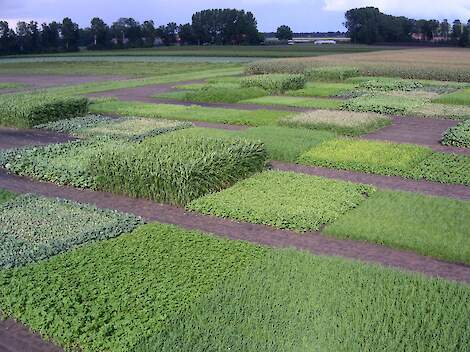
<point>391,104</point>
<point>293,301</point>
<point>334,73</point>
<point>390,84</point>
<point>64,164</point>
<point>383,158</point>
<point>344,122</point>
<point>261,67</point>
<point>29,109</point>
<point>431,226</point>
<point>109,295</point>
<point>275,83</point>
<point>458,136</point>
<point>35,228</point>
<point>175,169</point>
<point>284,200</point>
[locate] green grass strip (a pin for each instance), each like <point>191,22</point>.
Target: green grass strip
<point>427,225</point>
<point>300,102</point>
<point>461,97</point>
<point>189,113</point>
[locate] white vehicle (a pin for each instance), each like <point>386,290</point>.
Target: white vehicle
<point>321,42</point>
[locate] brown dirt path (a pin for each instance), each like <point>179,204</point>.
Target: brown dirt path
<point>260,234</point>
<point>15,138</point>
<point>415,130</point>
<point>15,337</point>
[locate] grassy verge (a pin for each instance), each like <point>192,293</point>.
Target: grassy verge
<point>343,122</point>
<point>36,228</point>
<point>432,226</point>
<point>189,113</point>
<point>284,200</point>
<point>108,295</point>
<point>292,301</point>
<point>12,85</point>
<point>300,102</point>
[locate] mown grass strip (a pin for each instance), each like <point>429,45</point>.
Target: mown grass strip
<point>300,102</point>
<point>432,226</point>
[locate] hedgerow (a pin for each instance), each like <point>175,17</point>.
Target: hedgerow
<point>284,200</point>
<point>176,169</point>
<point>275,83</point>
<point>458,136</point>
<point>344,122</point>
<point>294,301</point>
<point>109,295</point>
<point>29,109</point>
<point>64,164</point>
<point>427,225</point>
<point>36,228</point>
<point>383,158</point>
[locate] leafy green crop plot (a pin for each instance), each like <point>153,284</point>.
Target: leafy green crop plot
<point>189,113</point>
<point>446,168</point>
<point>458,136</point>
<point>108,295</point>
<point>293,301</point>
<point>336,73</point>
<point>130,128</point>
<point>176,169</point>
<point>28,109</point>
<point>391,104</point>
<point>431,226</point>
<point>344,122</point>
<point>284,200</point>
<point>64,164</point>
<point>443,111</point>
<point>35,228</point>
<point>368,156</point>
<point>300,102</point>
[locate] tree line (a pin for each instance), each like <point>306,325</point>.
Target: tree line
<point>214,26</point>
<point>368,25</point>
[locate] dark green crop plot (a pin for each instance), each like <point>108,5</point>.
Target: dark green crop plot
<point>284,200</point>
<point>110,294</point>
<point>458,136</point>
<point>293,301</point>
<point>35,228</point>
<point>6,195</point>
<point>437,227</point>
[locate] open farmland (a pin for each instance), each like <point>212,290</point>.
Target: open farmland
<point>294,204</point>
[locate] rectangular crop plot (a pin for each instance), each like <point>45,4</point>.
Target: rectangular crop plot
<point>433,226</point>
<point>458,136</point>
<point>177,169</point>
<point>131,128</point>
<point>300,102</point>
<point>284,200</point>
<point>367,156</point>
<point>33,228</point>
<point>344,122</point>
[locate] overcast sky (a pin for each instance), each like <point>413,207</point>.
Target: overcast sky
<point>301,15</point>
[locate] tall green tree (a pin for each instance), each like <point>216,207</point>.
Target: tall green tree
<point>50,36</point>
<point>70,34</point>
<point>8,40</point>
<point>284,33</point>
<point>149,32</point>
<point>99,30</point>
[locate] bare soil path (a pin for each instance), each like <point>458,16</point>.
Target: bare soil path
<point>415,130</point>
<point>47,81</point>
<point>15,138</point>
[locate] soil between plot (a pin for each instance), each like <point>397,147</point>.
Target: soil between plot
<point>15,138</point>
